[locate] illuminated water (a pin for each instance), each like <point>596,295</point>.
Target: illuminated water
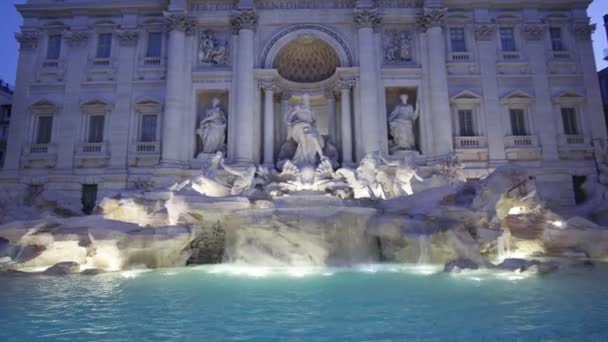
<point>369,303</point>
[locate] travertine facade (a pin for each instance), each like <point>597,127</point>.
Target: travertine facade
<point>115,93</point>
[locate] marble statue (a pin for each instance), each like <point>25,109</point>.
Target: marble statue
<point>600,153</point>
<point>400,49</point>
<point>368,180</point>
<point>212,129</point>
<point>401,123</point>
<point>210,52</point>
<point>404,174</point>
<point>305,134</point>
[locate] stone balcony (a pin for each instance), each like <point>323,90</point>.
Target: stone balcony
<point>92,155</point>
<point>471,148</point>
<point>144,154</point>
<point>51,70</point>
<point>522,147</point>
<point>561,63</point>
<point>574,147</point>
<point>512,63</point>
<point>151,68</point>
<point>101,70</point>
<point>39,156</point>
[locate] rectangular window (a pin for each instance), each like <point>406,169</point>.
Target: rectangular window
<point>89,198</point>
<point>518,122</point>
<point>457,39</point>
<point>44,129</point>
<point>96,123</point>
<point>569,120</point>
<point>154,47</point>
<point>466,123</point>
<point>104,45</point>
<point>557,43</point>
<point>148,128</point>
<point>54,47</point>
<point>507,39</point>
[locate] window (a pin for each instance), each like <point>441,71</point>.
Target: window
<point>5,112</point>
<point>89,198</point>
<point>557,43</point>
<point>3,133</point>
<point>578,182</point>
<point>96,124</point>
<point>154,46</point>
<point>44,129</point>
<point>148,128</point>
<point>457,39</point>
<point>569,120</point>
<point>507,39</point>
<point>54,47</point>
<point>466,123</point>
<point>518,122</point>
<point>104,45</point>
<point>1,159</point>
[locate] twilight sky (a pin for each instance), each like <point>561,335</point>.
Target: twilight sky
<point>11,20</point>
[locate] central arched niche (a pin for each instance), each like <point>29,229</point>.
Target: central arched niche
<point>306,59</point>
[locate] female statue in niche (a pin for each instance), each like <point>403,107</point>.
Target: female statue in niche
<point>212,129</point>
<point>401,122</point>
<point>305,134</point>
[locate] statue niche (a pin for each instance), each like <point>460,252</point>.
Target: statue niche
<point>212,130</point>
<point>402,124</point>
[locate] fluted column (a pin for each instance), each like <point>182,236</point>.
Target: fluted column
<point>178,24</point>
<point>331,114</point>
<point>244,22</point>
<point>269,91</point>
<point>432,22</point>
<point>366,20</point>
<point>346,127</point>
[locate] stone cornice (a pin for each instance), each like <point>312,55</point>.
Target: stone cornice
<point>432,17</point>
<point>27,40</point>
<point>180,22</point>
<point>76,38</point>
<point>369,17</point>
<point>534,32</point>
<point>243,20</point>
<point>485,32</point>
<point>127,37</point>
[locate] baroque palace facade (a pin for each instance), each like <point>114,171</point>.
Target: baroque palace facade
<point>112,94</point>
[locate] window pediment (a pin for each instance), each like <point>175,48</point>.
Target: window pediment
<point>96,106</point>
<point>465,97</point>
<point>148,105</point>
<point>568,98</point>
<point>44,106</point>
<point>517,97</point>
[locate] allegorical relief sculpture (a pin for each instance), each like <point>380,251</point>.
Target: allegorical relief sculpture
<point>211,52</point>
<point>399,48</point>
<point>401,122</point>
<point>212,129</point>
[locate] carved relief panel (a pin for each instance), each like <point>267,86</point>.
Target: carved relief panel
<point>213,48</point>
<point>399,46</point>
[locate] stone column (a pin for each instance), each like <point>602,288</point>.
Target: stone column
<point>331,114</point>
<point>432,22</point>
<point>269,90</point>
<point>20,122</point>
<point>346,126</point>
<point>485,36</point>
<point>366,20</point>
<point>542,113</point>
<point>119,142</point>
<point>285,96</point>
<point>177,24</point>
<point>594,108</point>
<point>244,22</point>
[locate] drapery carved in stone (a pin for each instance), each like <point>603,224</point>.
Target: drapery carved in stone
<point>76,38</point>
<point>584,31</point>
<point>180,22</point>
<point>28,39</point>
<point>534,31</point>
<point>243,20</point>
<point>211,50</point>
<point>398,47</point>
<point>127,37</point>
<point>367,17</point>
<point>432,17</point>
<point>485,31</point>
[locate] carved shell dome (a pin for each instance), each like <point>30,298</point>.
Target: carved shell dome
<point>306,60</point>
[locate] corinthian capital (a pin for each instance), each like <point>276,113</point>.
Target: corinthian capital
<point>76,38</point>
<point>180,22</point>
<point>269,86</point>
<point>243,20</point>
<point>485,31</point>
<point>534,31</point>
<point>27,40</point>
<point>368,17</point>
<point>584,31</point>
<point>345,84</point>
<point>432,17</point>
<point>127,37</point>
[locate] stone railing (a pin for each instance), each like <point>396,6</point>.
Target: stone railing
<point>569,140</point>
<point>460,57</point>
<point>521,141</point>
<point>510,56</point>
<point>41,148</point>
<point>470,142</point>
<point>39,156</point>
<point>99,62</point>
<point>92,148</point>
<point>147,147</point>
<point>52,63</point>
<point>152,62</point>
<point>560,55</point>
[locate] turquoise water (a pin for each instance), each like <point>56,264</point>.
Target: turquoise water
<point>371,303</point>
